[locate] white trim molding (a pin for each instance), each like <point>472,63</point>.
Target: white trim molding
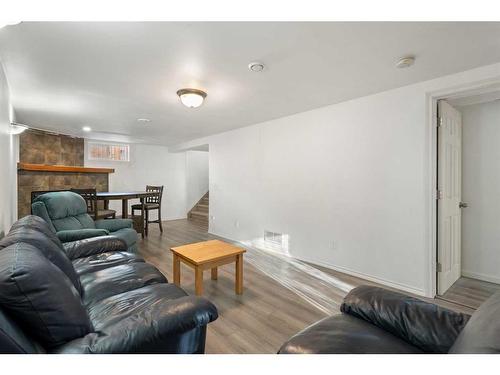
<point>364,276</point>
<point>474,81</point>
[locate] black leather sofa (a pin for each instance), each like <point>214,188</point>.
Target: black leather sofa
<point>376,320</point>
<point>90,296</point>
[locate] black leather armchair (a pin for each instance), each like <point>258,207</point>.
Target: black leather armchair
<point>376,320</point>
<point>90,296</point>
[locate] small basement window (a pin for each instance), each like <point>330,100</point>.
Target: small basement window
<point>108,151</point>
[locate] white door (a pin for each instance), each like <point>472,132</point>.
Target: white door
<point>449,195</point>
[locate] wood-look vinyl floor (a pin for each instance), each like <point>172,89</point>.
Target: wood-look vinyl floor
<point>470,292</point>
<point>258,321</point>
<point>261,319</point>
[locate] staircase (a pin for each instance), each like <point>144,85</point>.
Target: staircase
<point>199,213</point>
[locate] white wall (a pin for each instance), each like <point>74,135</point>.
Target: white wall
<point>196,176</point>
<point>351,183</point>
<point>8,158</point>
<point>150,165</point>
<point>481,190</point>
<point>344,182</point>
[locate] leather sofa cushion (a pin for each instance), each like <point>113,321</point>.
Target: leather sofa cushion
<point>128,235</point>
<point>95,245</point>
<point>42,299</point>
<point>116,280</point>
<point>71,235</point>
<point>428,326</point>
<point>37,223</point>
<point>51,249</point>
<point>130,305</point>
<point>13,340</point>
<point>101,261</point>
<point>344,334</point>
<point>482,333</point>
<point>155,318</point>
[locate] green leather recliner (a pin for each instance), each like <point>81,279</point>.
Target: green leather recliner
<point>66,214</point>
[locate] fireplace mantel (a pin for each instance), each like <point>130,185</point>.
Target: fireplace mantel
<point>60,168</point>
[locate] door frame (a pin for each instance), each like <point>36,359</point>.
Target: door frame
<point>432,98</point>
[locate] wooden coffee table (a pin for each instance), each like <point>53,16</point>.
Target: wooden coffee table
<point>204,255</point>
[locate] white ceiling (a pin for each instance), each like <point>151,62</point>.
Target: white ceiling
<point>106,75</point>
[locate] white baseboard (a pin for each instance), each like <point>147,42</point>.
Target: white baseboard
<point>222,236</point>
<point>482,277</point>
<point>169,218</point>
<point>374,279</point>
<point>361,275</point>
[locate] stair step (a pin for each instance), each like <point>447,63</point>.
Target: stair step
<point>199,213</point>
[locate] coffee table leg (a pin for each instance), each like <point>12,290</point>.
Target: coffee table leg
<point>177,270</point>
<point>214,273</point>
<point>239,274</point>
<point>198,281</point>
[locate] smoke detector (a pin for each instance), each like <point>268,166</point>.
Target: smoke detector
<point>256,66</point>
<point>405,62</point>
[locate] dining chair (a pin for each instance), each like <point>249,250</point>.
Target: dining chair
<point>151,203</point>
<point>90,196</point>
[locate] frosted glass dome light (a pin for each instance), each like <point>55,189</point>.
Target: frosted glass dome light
<point>192,98</point>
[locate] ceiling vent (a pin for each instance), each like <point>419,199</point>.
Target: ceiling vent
<point>405,62</point>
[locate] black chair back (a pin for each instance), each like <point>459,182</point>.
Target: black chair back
<point>154,198</point>
<point>90,196</point>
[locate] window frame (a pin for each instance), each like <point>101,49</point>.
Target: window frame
<point>92,144</point>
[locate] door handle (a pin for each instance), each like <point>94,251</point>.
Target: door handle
<point>463,205</point>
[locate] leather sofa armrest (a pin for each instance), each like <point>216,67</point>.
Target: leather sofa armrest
<point>425,325</point>
<point>113,224</point>
<point>94,245</point>
<point>80,234</point>
<point>145,332</point>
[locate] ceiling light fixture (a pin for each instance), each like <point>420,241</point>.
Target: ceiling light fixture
<point>405,62</point>
<point>256,66</point>
<point>87,129</point>
<point>192,98</point>
<point>16,128</point>
<point>143,120</point>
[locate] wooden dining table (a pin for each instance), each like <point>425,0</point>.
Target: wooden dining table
<point>124,196</point>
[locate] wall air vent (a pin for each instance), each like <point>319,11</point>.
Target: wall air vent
<point>273,238</point>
